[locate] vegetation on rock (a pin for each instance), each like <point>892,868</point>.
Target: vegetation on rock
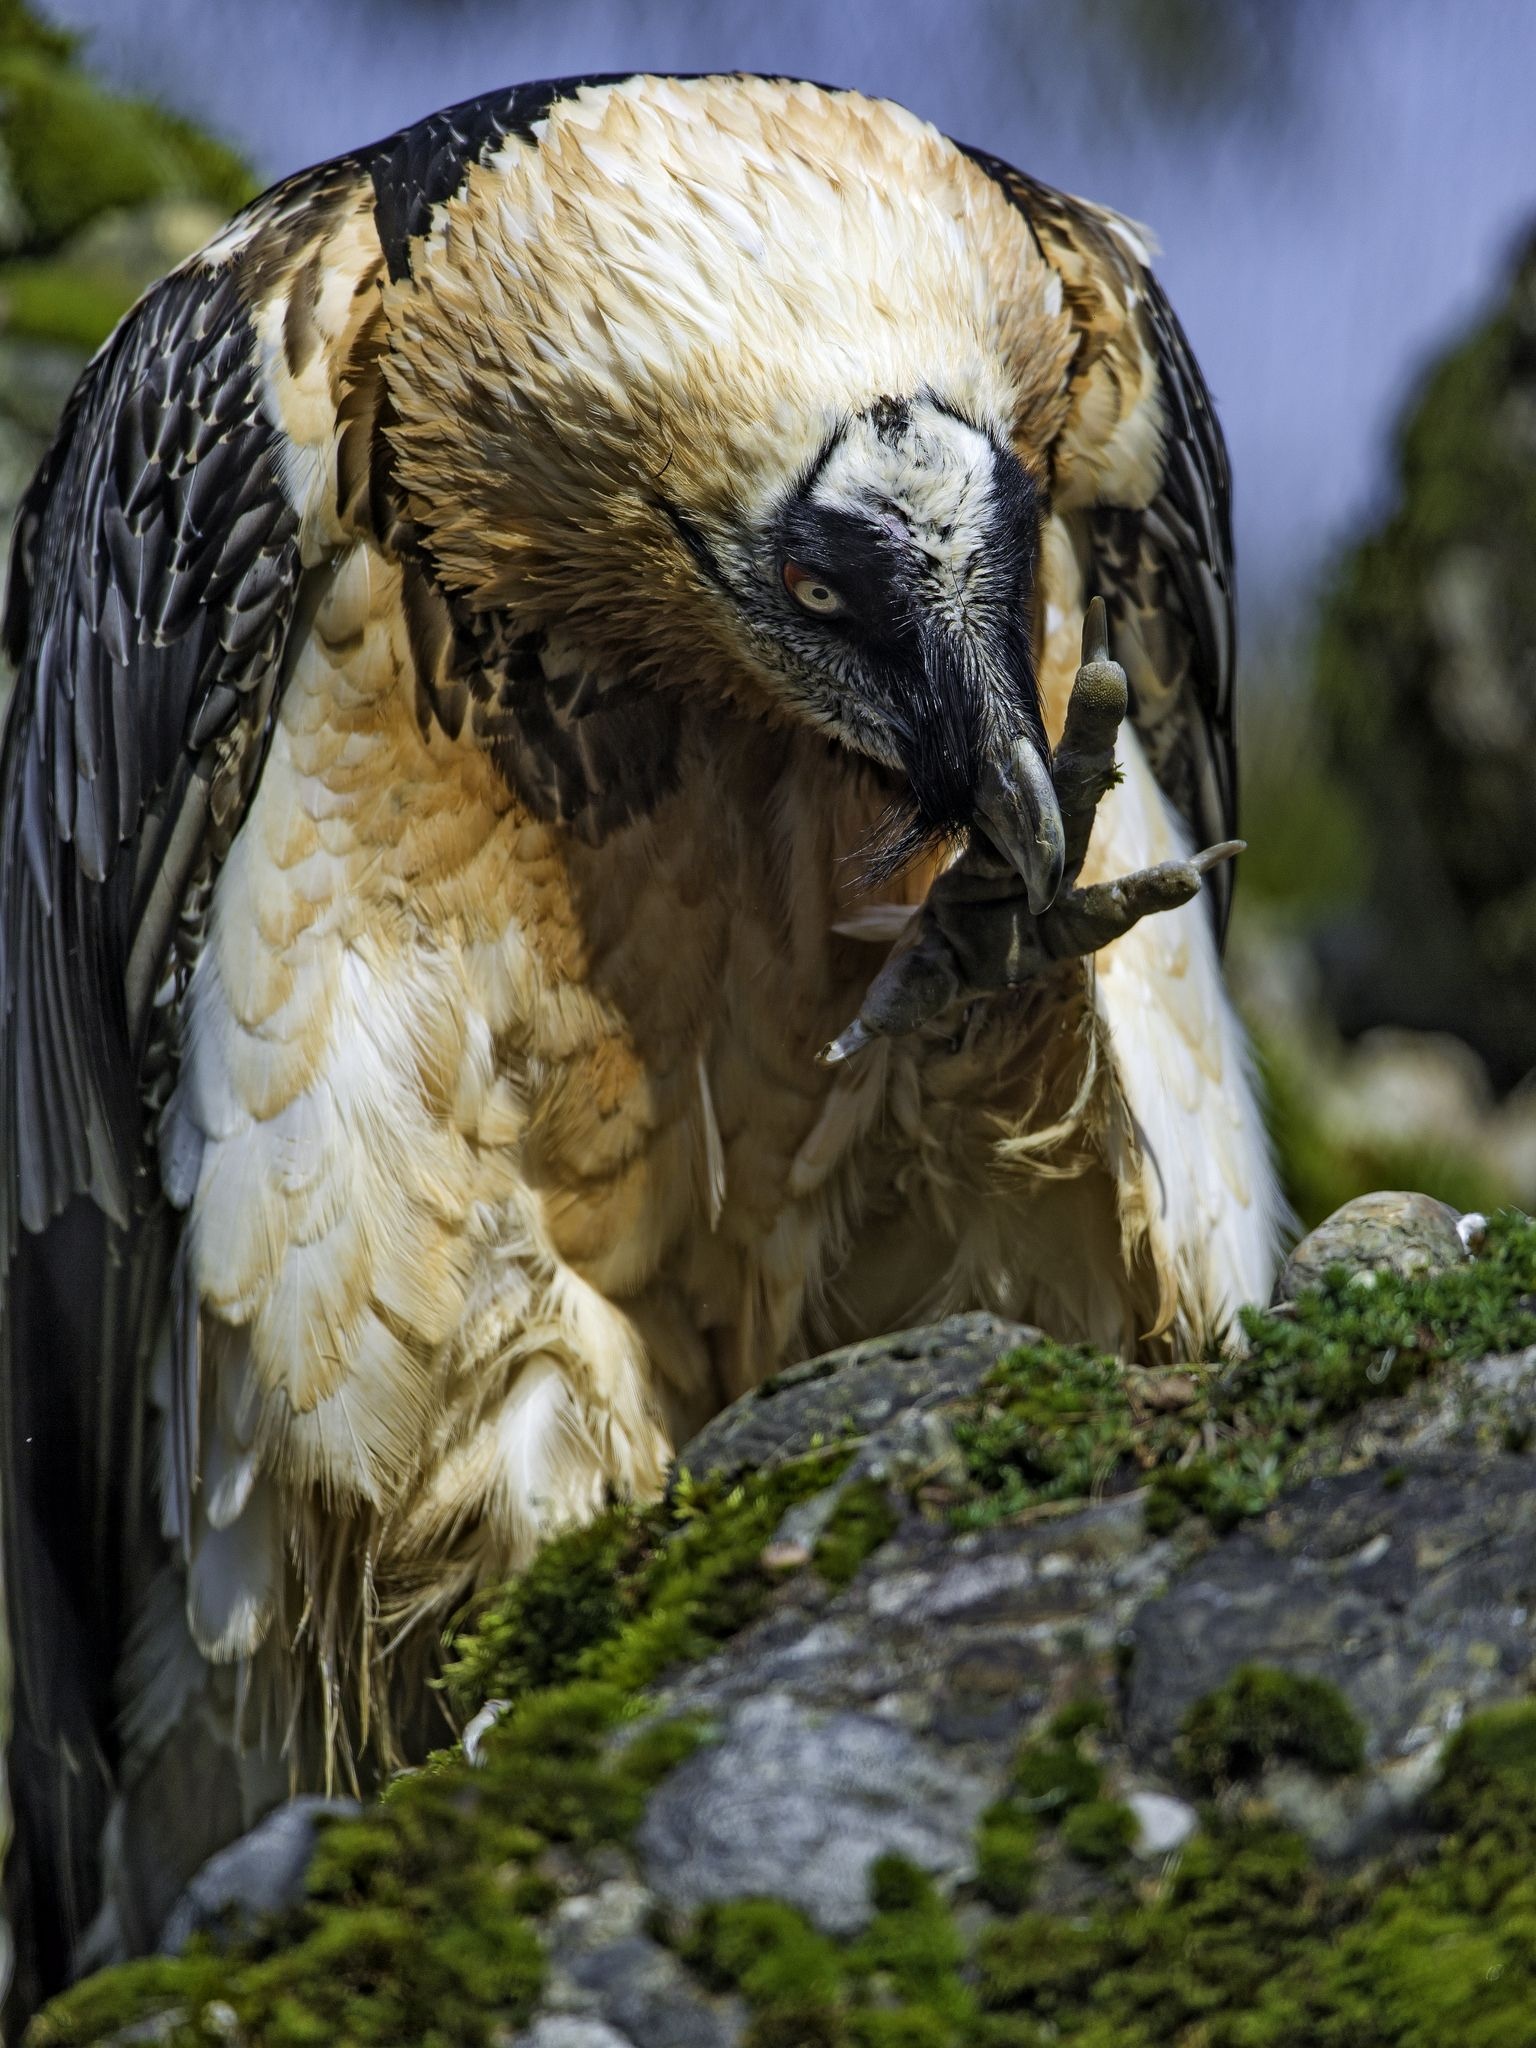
<point>1059,1422</point>
<point>424,1917</point>
<point>416,1926</point>
<point>1264,1715</point>
<point>862,1520</point>
<point>638,1590</point>
<point>1241,1942</point>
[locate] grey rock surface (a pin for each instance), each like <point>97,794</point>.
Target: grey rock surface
<point>607,1972</point>
<point>797,1805</point>
<point>1411,1588</point>
<point>262,1873</point>
<point>1401,1232</point>
<point>855,1392</point>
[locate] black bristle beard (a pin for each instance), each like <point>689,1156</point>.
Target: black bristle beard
<point>945,713</point>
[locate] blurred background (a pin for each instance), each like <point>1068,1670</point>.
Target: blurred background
<point>1345,196</point>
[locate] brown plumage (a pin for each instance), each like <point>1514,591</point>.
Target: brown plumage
<point>477,627</point>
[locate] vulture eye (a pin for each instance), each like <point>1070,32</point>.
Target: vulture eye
<point>813,592</point>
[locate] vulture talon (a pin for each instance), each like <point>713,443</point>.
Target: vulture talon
<point>979,934</point>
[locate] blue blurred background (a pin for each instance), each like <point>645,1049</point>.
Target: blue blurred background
<point>1334,182</point>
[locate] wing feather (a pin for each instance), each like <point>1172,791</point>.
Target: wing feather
<point>152,582</point>
<point>1161,558</point>
<point>138,607</point>
<point>153,585</point>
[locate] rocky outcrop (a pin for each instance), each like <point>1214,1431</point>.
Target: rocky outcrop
<point>970,1689</point>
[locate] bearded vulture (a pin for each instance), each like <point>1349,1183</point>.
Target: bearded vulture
<point>545,626</point>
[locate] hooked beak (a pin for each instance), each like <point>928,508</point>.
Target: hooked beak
<point>1016,808</point>
<point>965,722</point>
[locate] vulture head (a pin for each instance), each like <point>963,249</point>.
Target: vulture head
<point>677,390</point>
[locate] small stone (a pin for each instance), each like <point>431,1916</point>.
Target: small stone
<point>1397,1232</point>
<point>1163,1824</point>
<point>261,1874</point>
<point>612,1913</point>
<point>565,2030</point>
<point>784,1557</point>
<point>1473,1231</point>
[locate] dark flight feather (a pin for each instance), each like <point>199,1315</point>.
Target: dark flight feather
<point>1164,570</point>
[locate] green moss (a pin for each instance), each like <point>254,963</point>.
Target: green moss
<point>1101,1832</point>
<point>897,1885</point>
<point>796,2026</point>
<point>1052,1777</point>
<point>862,1520</point>
<point>637,1591</point>
<point>1057,1423</point>
<point>1498,1746</point>
<point>1248,1945</point>
<point>1056,1786</point>
<point>1165,1974</point>
<point>902,2028</point>
<point>766,1950</point>
<point>1243,1941</point>
<point>1087,1714</point>
<point>899,1984</point>
<point>1053,1421</point>
<point>536,1630</point>
<point>441,1870</point>
<point>418,1920</point>
<point>909,1960</point>
<point>1007,1855</point>
<point>1262,1715</point>
<point>411,1931</point>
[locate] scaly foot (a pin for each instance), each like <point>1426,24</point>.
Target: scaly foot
<point>976,934</point>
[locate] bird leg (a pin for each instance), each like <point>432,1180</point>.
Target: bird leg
<point>976,933</point>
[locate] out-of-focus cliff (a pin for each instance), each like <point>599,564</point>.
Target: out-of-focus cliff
<point>1427,685</point>
<point>1385,949</point>
<point>98,196</point>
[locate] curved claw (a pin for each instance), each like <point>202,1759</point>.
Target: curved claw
<point>1213,856</point>
<point>914,985</point>
<point>1095,633</point>
<point>845,1045</point>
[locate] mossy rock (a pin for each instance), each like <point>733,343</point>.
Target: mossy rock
<point>1040,1660</point>
<point>1262,1715</point>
